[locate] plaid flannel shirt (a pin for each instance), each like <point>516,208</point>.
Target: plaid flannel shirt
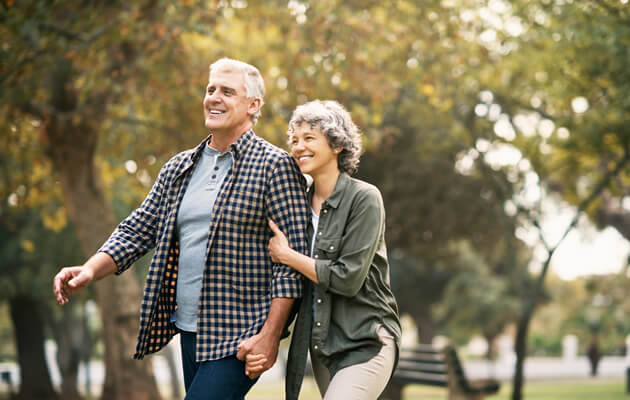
<point>239,279</point>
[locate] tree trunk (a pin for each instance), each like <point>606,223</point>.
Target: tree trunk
<point>29,337</point>
<point>426,328</point>
<point>520,348</point>
<point>69,334</point>
<point>491,351</point>
<point>71,143</point>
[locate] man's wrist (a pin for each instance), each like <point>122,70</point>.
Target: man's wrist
<point>277,318</point>
<point>272,330</point>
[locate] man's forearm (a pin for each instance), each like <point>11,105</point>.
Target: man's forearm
<point>277,317</point>
<point>101,264</point>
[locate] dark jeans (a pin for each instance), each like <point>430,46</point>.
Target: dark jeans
<point>222,379</point>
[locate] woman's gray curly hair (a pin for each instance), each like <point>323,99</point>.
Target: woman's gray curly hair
<point>336,125</point>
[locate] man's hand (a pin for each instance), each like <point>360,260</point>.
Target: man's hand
<point>69,281</point>
<point>72,279</point>
<point>259,353</point>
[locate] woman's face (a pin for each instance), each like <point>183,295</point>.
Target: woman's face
<point>310,148</point>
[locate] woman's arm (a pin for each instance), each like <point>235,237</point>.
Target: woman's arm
<point>345,274</point>
<point>281,253</point>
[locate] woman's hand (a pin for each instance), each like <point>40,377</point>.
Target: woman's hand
<point>282,253</point>
<point>278,245</point>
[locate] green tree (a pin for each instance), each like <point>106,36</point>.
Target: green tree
<point>63,64</point>
<point>561,100</point>
<point>477,300</point>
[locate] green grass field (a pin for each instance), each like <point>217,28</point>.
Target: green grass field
<point>598,389</point>
<point>585,389</point>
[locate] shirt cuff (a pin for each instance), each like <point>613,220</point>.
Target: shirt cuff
<point>322,269</point>
<point>288,287</point>
<point>117,254</point>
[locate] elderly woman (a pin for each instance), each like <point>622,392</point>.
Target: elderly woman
<point>348,317</point>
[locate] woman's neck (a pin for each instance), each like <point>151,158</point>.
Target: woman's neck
<point>324,185</point>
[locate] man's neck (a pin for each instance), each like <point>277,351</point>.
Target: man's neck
<point>221,141</point>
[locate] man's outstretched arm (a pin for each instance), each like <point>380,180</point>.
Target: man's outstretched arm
<point>73,279</point>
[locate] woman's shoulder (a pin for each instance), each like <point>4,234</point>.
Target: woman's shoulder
<point>363,190</point>
<point>361,186</point>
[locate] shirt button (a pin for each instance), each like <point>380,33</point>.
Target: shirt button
<point>216,168</point>
<point>214,176</point>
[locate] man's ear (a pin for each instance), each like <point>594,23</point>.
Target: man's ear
<point>254,105</point>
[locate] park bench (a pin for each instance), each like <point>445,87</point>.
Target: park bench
<point>426,365</point>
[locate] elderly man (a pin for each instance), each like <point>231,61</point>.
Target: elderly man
<point>206,216</point>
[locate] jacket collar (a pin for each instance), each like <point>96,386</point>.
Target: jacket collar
<point>237,149</point>
<point>337,194</point>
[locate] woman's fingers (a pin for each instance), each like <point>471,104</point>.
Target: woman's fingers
<point>274,227</point>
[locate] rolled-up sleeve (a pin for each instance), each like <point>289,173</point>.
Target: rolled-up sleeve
<point>287,207</point>
<point>345,274</point>
<point>136,234</point>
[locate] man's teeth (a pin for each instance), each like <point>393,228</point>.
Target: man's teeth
<point>305,158</point>
<point>216,112</point>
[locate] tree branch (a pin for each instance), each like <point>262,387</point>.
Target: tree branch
<point>603,183</point>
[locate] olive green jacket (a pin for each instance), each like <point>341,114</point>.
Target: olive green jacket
<point>339,317</point>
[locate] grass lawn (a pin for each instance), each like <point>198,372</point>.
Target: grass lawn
<point>597,389</point>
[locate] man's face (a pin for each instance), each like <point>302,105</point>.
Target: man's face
<point>226,108</point>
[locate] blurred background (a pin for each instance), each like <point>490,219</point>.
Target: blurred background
<point>498,132</point>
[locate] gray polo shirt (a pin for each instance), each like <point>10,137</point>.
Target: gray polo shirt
<point>193,224</point>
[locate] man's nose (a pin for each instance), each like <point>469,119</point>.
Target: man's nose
<point>212,96</point>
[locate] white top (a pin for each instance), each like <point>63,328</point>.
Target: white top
<point>315,222</point>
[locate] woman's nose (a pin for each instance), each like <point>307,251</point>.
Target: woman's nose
<point>298,145</point>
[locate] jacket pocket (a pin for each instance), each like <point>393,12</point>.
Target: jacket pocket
<point>328,247</point>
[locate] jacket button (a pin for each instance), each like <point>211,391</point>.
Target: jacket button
<point>325,210</point>
<point>319,233</point>
<point>316,347</point>
<point>318,324</point>
<point>332,247</point>
<point>319,301</point>
<point>316,256</point>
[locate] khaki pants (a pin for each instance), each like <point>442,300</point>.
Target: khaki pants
<point>364,381</point>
